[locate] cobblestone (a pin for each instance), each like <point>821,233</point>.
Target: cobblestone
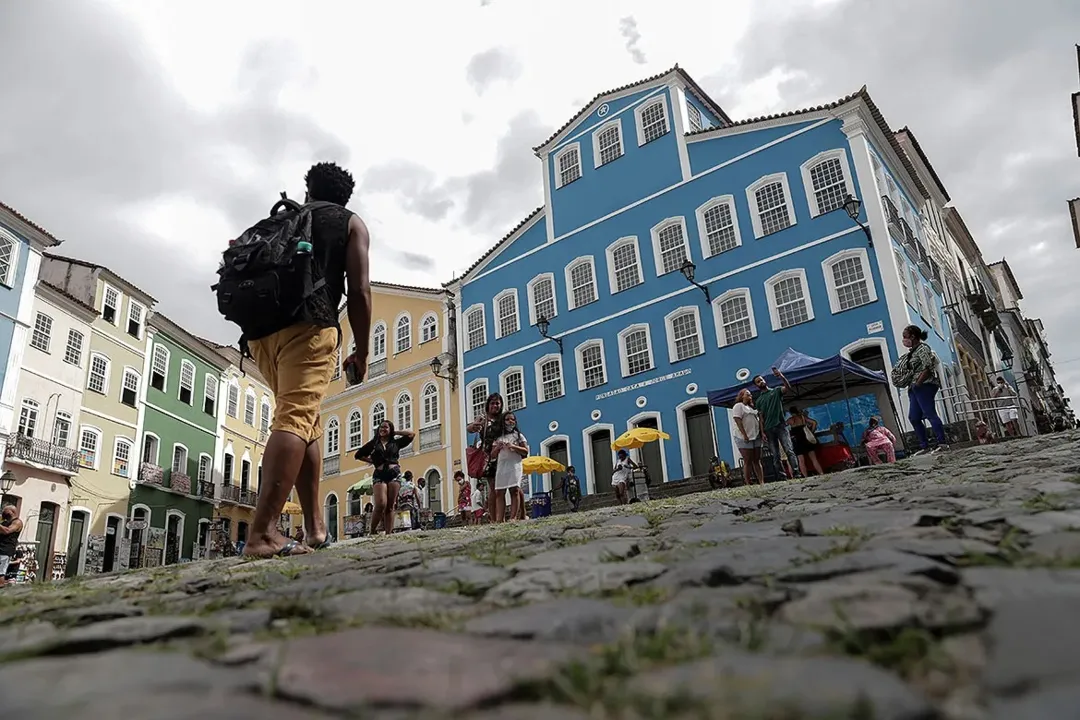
<point>939,587</point>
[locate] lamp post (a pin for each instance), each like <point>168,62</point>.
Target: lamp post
<point>852,206</point>
<point>1007,362</point>
<point>7,482</point>
<point>450,376</point>
<point>543,325</point>
<point>687,270</point>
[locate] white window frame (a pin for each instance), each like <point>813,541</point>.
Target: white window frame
<point>692,112</point>
<point>624,364</point>
<point>509,292</point>
<point>156,460</point>
<point>531,289</point>
<point>424,324</point>
<point>168,358</point>
<point>566,149</point>
<point>669,329</point>
<point>128,370</point>
<point>424,397</point>
<point>73,333</point>
<point>655,235</point>
<point>703,236</point>
<point>639,111</point>
<point>62,417</point>
<point>931,307</point>
<point>579,362</point>
<point>210,390</point>
<point>616,123</point>
<point>266,415</point>
<point>830,283</point>
<point>375,353</point>
<point>30,409</point>
<point>96,432</point>
<point>8,276</point>
<point>613,283</point>
<point>570,284</point>
<point>751,199</point>
<point>808,183</point>
<point>185,363</point>
<point>718,317</point>
<point>904,275</point>
<point>537,370</point>
<point>172,459</point>
<point>398,405</point>
<point>333,432</point>
<point>47,333</point>
<point>90,370</point>
<point>770,296</point>
<point>479,307</point>
<point>524,390</point>
<point>349,444</point>
<point>479,382</point>
<point>375,425</point>
<point>250,394</point>
<point>916,284</point>
<point>132,305</point>
<point>209,478</point>
<point>105,288</point>
<point>408,319</point>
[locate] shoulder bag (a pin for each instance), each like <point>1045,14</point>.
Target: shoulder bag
<point>476,458</point>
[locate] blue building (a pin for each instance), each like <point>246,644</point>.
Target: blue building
<point>582,318</point>
<point>21,245</point>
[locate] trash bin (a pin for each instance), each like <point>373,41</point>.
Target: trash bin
<point>440,520</point>
<point>541,505</point>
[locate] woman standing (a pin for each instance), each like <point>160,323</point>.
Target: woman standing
<point>384,453</point>
<point>622,476</point>
<point>917,371</point>
<point>509,450</point>
<point>490,427</point>
<point>802,428</point>
<point>748,436</point>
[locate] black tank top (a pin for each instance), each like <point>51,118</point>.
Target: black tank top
<point>8,542</point>
<point>330,235</point>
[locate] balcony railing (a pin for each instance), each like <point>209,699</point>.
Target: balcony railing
<point>892,217</point>
<point>935,275</point>
<point>331,465</point>
<point>206,489</point>
<point>376,369</point>
<point>976,295</point>
<point>230,493</point>
<point>968,336</point>
<point>151,474</point>
<point>910,240</point>
<point>249,497</point>
<point>40,452</point>
<point>180,482</point>
<point>408,451</point>
<point>430,438</point>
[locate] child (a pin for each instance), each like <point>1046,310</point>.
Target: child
<point>983,434</point>
<point>573,488</point>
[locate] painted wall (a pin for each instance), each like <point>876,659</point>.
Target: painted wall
<point>162,503</point>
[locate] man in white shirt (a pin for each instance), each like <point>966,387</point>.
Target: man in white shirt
<point>1008,407</point>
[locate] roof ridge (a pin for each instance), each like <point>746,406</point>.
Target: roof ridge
<point>495,247</point>
<point>18,215</point>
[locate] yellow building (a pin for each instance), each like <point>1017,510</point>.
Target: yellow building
<point>410,327</point>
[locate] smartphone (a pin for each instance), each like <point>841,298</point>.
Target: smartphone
<point>352,372</point>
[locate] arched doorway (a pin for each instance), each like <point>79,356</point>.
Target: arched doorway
<point>113,528</point>
<point>699,438</point>
<point>601,464</point>
<point>174,537</point>
<point>560,452</point>
<point>433,480</point>
<point>651,455</point>
<point>331,513</point>
<point>78,523</point>
<point>140,521</point>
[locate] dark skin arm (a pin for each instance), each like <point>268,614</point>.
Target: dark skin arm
<point>787,385</point>
<point>359,284</point>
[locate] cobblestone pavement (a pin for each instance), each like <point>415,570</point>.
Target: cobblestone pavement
<point>945,586</point>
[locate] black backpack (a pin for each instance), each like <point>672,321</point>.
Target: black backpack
<point>268,274</point>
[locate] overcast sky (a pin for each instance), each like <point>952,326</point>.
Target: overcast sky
<point>145,133</point>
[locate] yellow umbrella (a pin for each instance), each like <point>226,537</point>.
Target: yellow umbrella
<point>633,439</point>
<point>541,464</point>
<point>291,508</point>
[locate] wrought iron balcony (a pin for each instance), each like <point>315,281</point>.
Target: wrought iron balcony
<point>892,217</point>
<point>331,465</point>
<point>935,275</point>
<point>249,497</point>
<point>230,493</point>
<point>39,452</point>
<point>376,369</point>
<point>977,296</point>
<point>206,489</point>
<point>151,474</point>
<point>180,482</point>
<point>430,438</point>
<point>968,336</point>
<point>912,242</point>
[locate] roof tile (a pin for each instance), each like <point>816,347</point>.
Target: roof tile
<point>30,222</point>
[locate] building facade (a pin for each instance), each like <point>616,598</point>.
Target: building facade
<point>40,450</point>
<point>582,317</point>
<point>172,504</point>
<point>410,327</point>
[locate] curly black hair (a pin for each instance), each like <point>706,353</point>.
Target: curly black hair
<point>329,182</point>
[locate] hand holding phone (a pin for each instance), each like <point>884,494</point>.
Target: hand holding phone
<point>354,371</point>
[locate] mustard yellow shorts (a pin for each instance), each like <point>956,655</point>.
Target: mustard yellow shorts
<point>297,363</point>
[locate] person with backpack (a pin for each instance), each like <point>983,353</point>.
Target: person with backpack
<point>918,372</point>
<point>282,281</point>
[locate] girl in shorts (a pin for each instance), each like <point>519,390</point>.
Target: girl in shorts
<point>622,476</point>
<point>384,453</point>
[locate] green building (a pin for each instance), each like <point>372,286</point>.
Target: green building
<point>172,503</point>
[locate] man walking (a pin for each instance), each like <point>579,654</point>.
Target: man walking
<point>298,358</point>
<point>770,406</point>
<point>1007,403</point>
<point>10,527</point>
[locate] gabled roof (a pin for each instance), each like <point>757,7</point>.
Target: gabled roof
<point>1009,274</point>
<point>95,266</point>
<point>875,113</point>
<point>22,218</point>
<point>410,288</point>
<point>700,94</point>
<point>497,245</point>
<point>926,161</point>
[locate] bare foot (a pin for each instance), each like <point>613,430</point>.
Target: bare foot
<point>318,538</point>
<point>273,544</point>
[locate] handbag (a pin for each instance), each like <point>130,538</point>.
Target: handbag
<point>810,436</point>
<point>476,459</point>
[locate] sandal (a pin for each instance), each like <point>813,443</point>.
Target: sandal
<point>323,545</point>
<point>287,549</point>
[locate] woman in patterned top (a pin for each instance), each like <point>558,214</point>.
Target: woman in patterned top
<point>490,428</point>
<point>918,372</point>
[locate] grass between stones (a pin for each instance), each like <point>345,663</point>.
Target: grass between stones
<point>1045,502</point>
<point>909,652</point>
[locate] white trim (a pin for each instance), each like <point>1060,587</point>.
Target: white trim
<point>143,318</point>
<point>570,304</point>
<point>131,516</point>
<point>478,307</point>
<point>624,363</point>
<point>133,464</point>
<point>97,453</point>
<point>830,282</point>
<point>134,349</point>
<point>232,384</point>
<point>537,365</point>
<point>669,329</point>
<point>403,400</point>
<point>170,513</point>
<point>180,381</point>
<point>174,416</point>
<point>640,109</point>
<point>880,342</point>
<point>332,422</point>
<point>524,389</point>
<point>105,288</point>
<point>646,90</point>
<point>123,385</point>
<point>210,468</point>
<point>613,283</point>
<point>13,264</point>
<point>579,364</point>
<point>668,296</point>
<point>684,440</point>
<point>508,292</point>
<point>142,449</point>
<point>429,316</point>
<point>349,446</point>
<point>770,296</point>
<point>751,199</point>
<point>617,123</point>
<point>545,450</point>
<point>586,441</point>
<point>90,369</point>
<point>677,96</point>
<point>249,393</point>
<point>168,358</point>
<point>172,459</point>
<point>85,534</point>
<point>467,400</point>
<point>371,414</point>
<point>403,315</point>
<point>718,318</point>
<point>703,236</point>
<point>654,233</point>
<point>531,293</point>
<point>808,184</point>
<point>566,150</point>
<point>423,423</point>
<point>425,499</point>
<point>386,341</point>
<point>632,422</point>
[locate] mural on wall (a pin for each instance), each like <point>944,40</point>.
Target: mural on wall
<point>59,565</point>
<point>155,545</point>
<point>25,562</point>
<point>95,554</point>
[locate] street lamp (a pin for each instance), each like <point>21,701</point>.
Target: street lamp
<point>852,206</point>
<point>687,270</point>
<point>1007,362</point>
<point>7,481</point>
<point>451,375</point>
<point>543,325</point>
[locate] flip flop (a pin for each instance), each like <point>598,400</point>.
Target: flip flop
<point>323,545</point>
<point>287,549</point>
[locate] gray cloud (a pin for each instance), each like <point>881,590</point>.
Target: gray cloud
<point>99,135</point>
<point>417,261</point>
<point>491,66</point>
<point>414,186</point>
<point>984,86</point>
<point>629,30</point>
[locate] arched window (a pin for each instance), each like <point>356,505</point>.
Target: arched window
<point>733,314</point>
<point>770,205</point>
<point>356,430</point>
<point>430,402</point>
<point>333,437</point>
<point>403,334</point>
<point>789,299</point>
<point>475,330</point>
<point>378,341</point>
<point>404,412</point>
<point>429,328</point>
<point>567,165</point>
<point>670,249</point>
<point>378,414</point>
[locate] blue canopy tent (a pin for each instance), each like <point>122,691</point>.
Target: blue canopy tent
<point>816,382</point>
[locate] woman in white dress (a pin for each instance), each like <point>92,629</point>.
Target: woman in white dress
<point>622,475</point>
<point>510,449</point>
